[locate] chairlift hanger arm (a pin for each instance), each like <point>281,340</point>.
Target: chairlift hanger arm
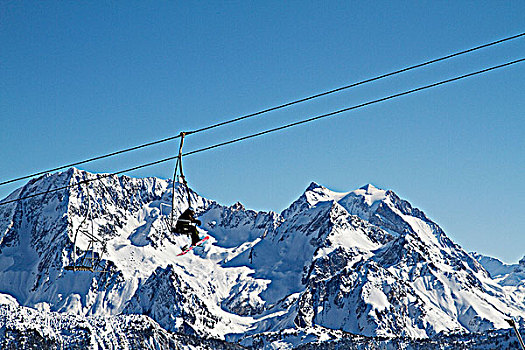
<point>179,169</point>
<point>87,262</point>
<point>179,157</point>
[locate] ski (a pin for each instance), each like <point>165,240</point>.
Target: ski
<point>193,246</point>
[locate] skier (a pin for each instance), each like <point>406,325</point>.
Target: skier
<point>187,225</point>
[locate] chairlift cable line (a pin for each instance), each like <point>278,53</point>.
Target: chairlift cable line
<point>353,107</point>
<point>386,75</point>
<point>266,110</point>
<point>99,177</point>
<point>91,159</point>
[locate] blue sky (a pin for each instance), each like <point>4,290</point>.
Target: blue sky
<point>79,79</point>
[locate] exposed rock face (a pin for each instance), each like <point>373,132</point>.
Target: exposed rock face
<point>169,299</point>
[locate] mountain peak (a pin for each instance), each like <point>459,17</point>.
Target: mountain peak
<point>371,194</point>
<point>313,185</point>
<point>237,206</point>
<point>370,189</point>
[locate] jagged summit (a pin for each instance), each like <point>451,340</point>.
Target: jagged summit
<point>313,185</point>
<point>363,261</point>
<point>369,188</point>
<point>237,206</point>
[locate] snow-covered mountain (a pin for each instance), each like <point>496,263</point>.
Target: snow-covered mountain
<point>504,274</point>
<point>363,263</point>
<point>26,328</point>
<point>511,277</point>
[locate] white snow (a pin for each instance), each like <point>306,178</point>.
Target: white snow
<point>6,299</point>
<point>257,270</point>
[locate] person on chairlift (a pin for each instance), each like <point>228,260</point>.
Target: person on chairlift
<point>187,225</point>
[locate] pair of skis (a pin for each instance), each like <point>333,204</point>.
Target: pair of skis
<point>193,246</point>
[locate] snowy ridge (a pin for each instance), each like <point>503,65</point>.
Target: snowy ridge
<point>26,328</point>
<point>363,262</point>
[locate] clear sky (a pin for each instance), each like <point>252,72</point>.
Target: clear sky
<point>80,79</point>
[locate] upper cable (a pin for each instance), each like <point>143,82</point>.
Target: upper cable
<point>251,115</point>
<point>404,93</point>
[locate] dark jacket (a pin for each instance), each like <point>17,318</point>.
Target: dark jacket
<point>186,222</point>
